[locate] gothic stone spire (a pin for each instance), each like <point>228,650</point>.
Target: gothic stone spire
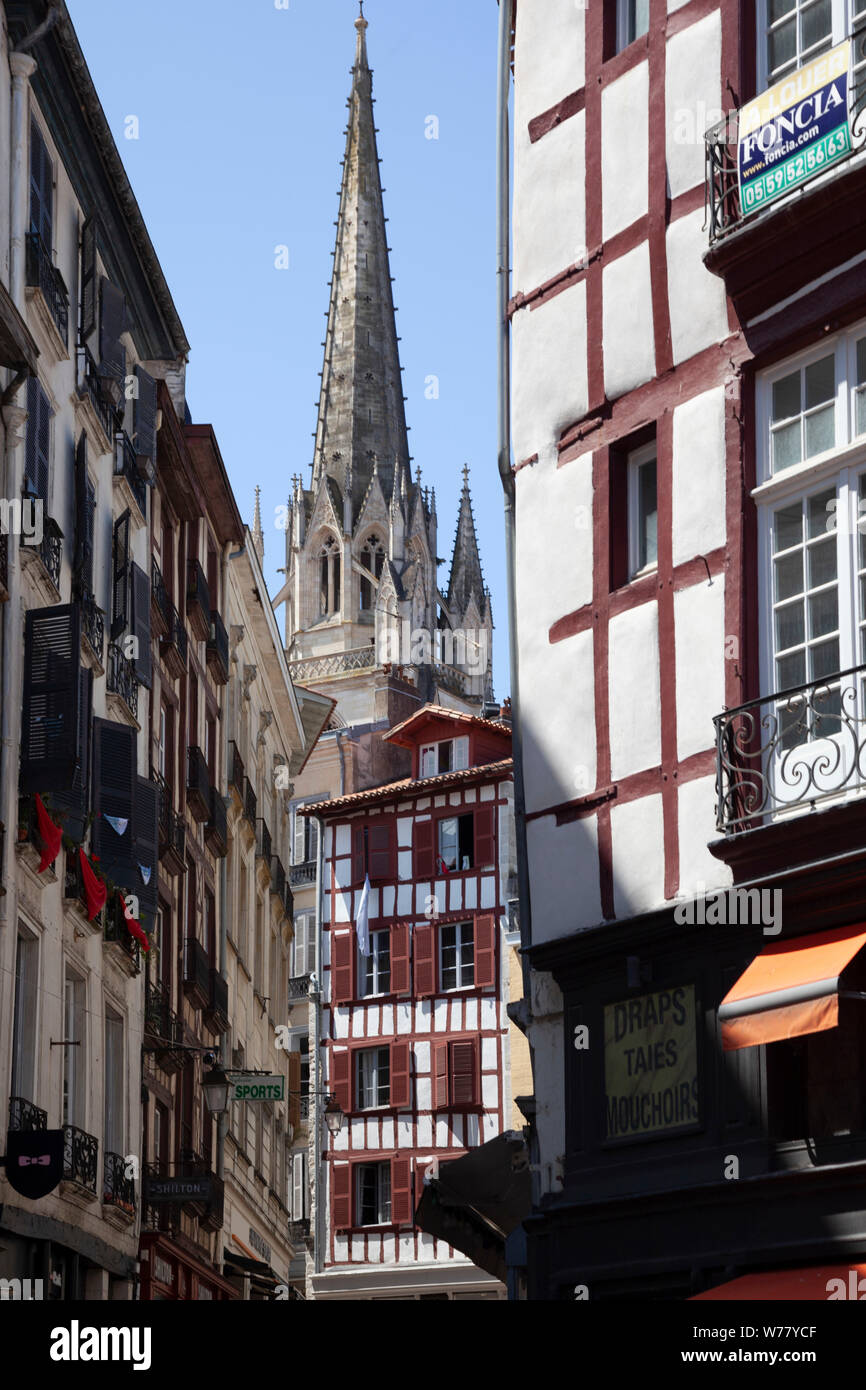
<point>466,577</point>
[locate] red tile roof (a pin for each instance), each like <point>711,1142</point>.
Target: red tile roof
<point>430,711</point>
<point>409,787</point>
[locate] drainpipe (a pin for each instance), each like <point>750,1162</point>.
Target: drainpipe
<point>318,1108</point>
<point>223,1120</point>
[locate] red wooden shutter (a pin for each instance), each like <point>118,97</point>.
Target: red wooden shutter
<point>402,1210</point>
<point>401,981</point>
<point>440,1076</point>
<point>464,1072</point>
<point>485,838</point>
<point>341,1078</point>
<point>425,963</point>
<point>341,967</point>
<point>380,865</point>
<point>485,952</point>
<point>401,1084</point>
<point>342,1198</point>
<point>424,849</point>
<point>358,866</point>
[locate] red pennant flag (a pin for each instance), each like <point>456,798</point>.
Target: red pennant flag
<point>95,891</point>
<point>134,928</point>
<point>50,834</point>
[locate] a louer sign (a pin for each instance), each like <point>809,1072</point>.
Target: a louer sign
<point>794,130</point>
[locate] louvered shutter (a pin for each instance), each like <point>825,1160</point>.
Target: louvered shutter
<point>52,692</point>
<point>141,624</point>
<point>341,967</point>
<point>427,763</point>
<point>295,1089</point>
<point>440,1076</point>
<point>402,1210</point>
<point>88,278</point>
<point>380,859</point>
<point>341,1206</point>
<point>401,982</point>
<point>80,562</point>
<point>401,1080</point>
<point>485,838</point>
<point>461,753</point>
<point>485,952</point>
<point>312,837</point>
<point>114,775</point>
<point>299,839</point>
<point>41,192</point>
<point>341,1078</point>
<point>464,1073</point>
<point>423,849</point>
<point>89,538</point>
<point>144,416</point>
<point>300,1207</point>
<point>37,454</point>
<point>359,857</point>
<point>120,577</point>
<point>145,823</point>
<point>75,803</point>
<point>425,963</point>
<point>112,323</point>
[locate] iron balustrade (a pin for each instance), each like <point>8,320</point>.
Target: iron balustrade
<point>116,932</point>
<point>126,467</point>
<point>218,649</point>
<point>218,1005</point>
<point>50,548</point>
<point>263,842</point>
<point>80,1154</point>
<point>118,1190</point>
<point>278,877</point>
<point>160,603</point>
<point>198,792</point>
<point>289,901</point>
<point>250,802</point>
<point>237,776</point>
<point>216,830</point>
<point>25,1116</point>
<point>791,750</point>
<point>172,829</point>
<point>93,626</point>
<point>44,276</point>
<point>196,970</point>
<point>197,600</point>
<point>89,384</point>
<point>303,873</point>
<point>174,647</point>
<point>121,679</point>
<point>299,986</point>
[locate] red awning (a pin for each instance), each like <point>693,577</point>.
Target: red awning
<point>790,989</point>
<point>817,1284</point>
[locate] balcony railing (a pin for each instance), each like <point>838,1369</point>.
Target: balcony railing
<point>196,972</point>
<point>126,467</point>
<point>160,603</point>
<point>303,873</point>
<point>118,1190</point>
<point>198,784</point>
<point>218,1003</point>
<point>24,1115</point>
<point>299,987</point>
<point>80,1154</point>
<point>93,627</point>
<point>162,1024</point>
<point>172,830</point>
<point>44,276</point>
<point>289,901</point>
<point>317,667</point>
<point>278,878</point>
<point>237,776</point>
<point>218,649</point>
<point>791,750</point>
<point>250,803</point>
<point>216,830</point>
<point>116,933</point>
<point>175,645</point>
<point>49,552</point>
<point>121,679</point>
<point>89,384</point>
<point>263,842</point>
<point>197,601</point>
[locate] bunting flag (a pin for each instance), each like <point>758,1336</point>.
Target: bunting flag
<point>95,891</point>
<point>117,823</point>
<point>135,928</point>
<point>145,870</point>
<point>50,834</point>
<point>362,922</point>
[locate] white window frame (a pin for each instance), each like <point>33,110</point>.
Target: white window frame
<point>635,461</point>
<point>460,928</point>
<point>842,27</point>
<point>430,752</point>
<point>375,940</point>
<point>305,919</point>
<point>383,1219</point>
<point>372,1056</point>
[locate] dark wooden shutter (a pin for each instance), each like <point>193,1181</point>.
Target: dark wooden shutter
<point>425,960</point>
<point>424,841</point>
<point>294,1060</point>
<point>144,416</point>
<point>401,1081</point>
<point>341,1078</point>
<point>380,859</point>
<point>464,1072</point>
<point>440,1076</point>
<point>88,278</point>
<point>80,563</point>
<point>145,821</point>
<point>485,837</point>
<point>37,456</point>
<point>41,191</point>
<point>401,980</point>
<point>402,1210</point>
<point>75,803</point>
<point>341,1210</point>
<point>114,776</point>
<point>359,867</point>
<point>50,727</point>
<point>141,624</point>
<point>90,537</point>
<point>485,952</point>
<point>112,322</point>
<point>342,953</point>
<point>120,577</point>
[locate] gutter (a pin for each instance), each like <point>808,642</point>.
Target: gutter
<point>316,1176</point>
<point>223,1120</point>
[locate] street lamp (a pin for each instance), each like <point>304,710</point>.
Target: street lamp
<point>217,1090</point>
<point>334,1116</point>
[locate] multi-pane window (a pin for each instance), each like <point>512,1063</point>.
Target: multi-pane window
<point>457,956</point>
<point>373,1077</point>
<point>632,20</point>
<point>803,413</point>
<point>303,959</point>
<point>373,1194</point>
<point>456,843</point>
<point>374,971</point>
<point>642,509</point>
<point>449,755</point>
<point>794,32</point>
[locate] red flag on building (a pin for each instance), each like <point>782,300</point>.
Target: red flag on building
<point>50,834</point>
<point>95,891</point>
<point>135,928</point>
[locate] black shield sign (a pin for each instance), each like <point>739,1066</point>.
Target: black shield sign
<point>34,1160</point>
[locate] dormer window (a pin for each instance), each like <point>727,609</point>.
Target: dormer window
<point>329,578</point>
<point>449,755</point>
<point>373,559</point>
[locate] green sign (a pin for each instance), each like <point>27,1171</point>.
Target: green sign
<point>651,1063</point>
<point>252,1087</point>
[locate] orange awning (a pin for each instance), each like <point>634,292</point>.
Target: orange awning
<point>790,989</point>
<point>817,1284</point>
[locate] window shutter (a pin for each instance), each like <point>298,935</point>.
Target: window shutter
<point>380,861</point>
<point>112,323</point>
<point>440,1076</point>
<point>299,944</point>
<point>298,834</point>
<point>75,802</point>
<point>464,1072</point>
<point>50,730</point>
<point>401,982</point>
<point>402,1210</point>
<point>342,1200</point>
<point>144,416</point>
<point>41,191</point>
<point>485,952</point>
<point>300,1208</point>
<point>485,839</point>
<point>341,968</point>
<point>89,537</point>
<point>141,624</point>
<point>401,1081</point>
<point>359,867</point>
<point>144,846</point>
<point>424,848</point>
<point>341,1078</point>
<point>311,942</point>
<point>312,828</point>
<point>38,446</point>
<point>114,747</point>
<point>425,964</point>
<point>427,766</point>
<point>88,278</point>
<point>120,577</point>
<point>461,753</point>
<point>295,1090</point>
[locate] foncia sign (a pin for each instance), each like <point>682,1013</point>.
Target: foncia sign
<point>794,130</point>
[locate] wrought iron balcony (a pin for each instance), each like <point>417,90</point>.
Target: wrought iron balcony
<point>289,901</point>
<point>48,555</point>
<point>118,1190</point>
<point>237,776</point>
<point>73,883</point>
<point>263,842</point>
<point>791,750</point>
<point>121,679</point>
<point>196,972</point>
<point>198,797</point>
<point>45,277</point>
<point>160,603</point>
<point>116,934</point>
<point>126,467</point>
<point>172,831</point>
<point>80,1154</point>
<point>24,1115</point>
<point>28,828</point>
<point>218,649</point>
<point>218,1004</point>
<point>90,385</point>
<point>250,803</point>
<point>303,873</point>
<point>299,1231</point>
<point>197,601</point>
<point>216,830</point>
<point>175,645</point>
<point>162,1025</point>
<point>93,627</point>
<point>299,987</point>
<point>278,878</point>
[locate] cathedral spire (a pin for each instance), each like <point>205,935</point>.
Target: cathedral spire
<point>361,413</point>
<point>466,578</point>
<point>258,534</point>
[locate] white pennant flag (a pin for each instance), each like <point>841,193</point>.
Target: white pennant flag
<point>362,921</point>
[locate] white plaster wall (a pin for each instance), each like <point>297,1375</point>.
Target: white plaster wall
<point>696,815</point>
<point>696,298</point>
<point>549,211</point>
<point>554,540</point>
<point>699,637</point>
<point>633,693</point>
<point>629,348</point>
<point>549,56</point>
<point>563,863</point>
<point>638,855</point>
<point>558,717</point>
<point>546,1038</point>
<point>699,483</point>
<point>624,150</point>
<point>550,370</point>
<point>692,99</point>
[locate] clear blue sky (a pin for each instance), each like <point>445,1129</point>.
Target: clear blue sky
<point>241,112</point>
